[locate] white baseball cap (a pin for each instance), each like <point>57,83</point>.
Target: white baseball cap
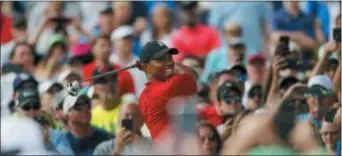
<point>46,85</point>
<point>294,47</point>
<point>321,80</point>
<point>121,32</point>
<point>70,101</point>
<point>58,99</point>
<point>62,76</point>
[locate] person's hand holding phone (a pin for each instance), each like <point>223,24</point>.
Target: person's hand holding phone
<point>330,47</point>
<point>278,64</point>
<point>122,139</point>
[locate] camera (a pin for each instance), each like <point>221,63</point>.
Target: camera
<point>283,48</point>
<point>337,34</point>
<point>61,23</point>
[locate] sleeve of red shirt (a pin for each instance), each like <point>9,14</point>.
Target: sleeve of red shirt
<point>6,25</point>
<point>180,85</point>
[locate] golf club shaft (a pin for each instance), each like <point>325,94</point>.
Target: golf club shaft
<point>108,73</point>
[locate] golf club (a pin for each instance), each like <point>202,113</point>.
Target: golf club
<point>74,87</point>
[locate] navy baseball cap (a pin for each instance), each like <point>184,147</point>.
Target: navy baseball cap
<point>224,89</point>
<point>21,79</point>
<point>238,71</point>
<point>28,96</point>
<point>154,50</point>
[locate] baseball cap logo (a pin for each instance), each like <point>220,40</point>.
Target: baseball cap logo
<point>161,44</point>
<point>28,94</point>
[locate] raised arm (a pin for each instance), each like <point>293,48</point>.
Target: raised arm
<point>330,47</point>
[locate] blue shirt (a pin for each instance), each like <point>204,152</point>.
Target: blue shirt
<point>67,144</point>
<point>250,15</point>
<point>216,61</point>
<point>338,151</point>
<point>283,21</point>
<point>321,11</point>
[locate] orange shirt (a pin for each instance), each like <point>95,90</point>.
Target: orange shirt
<point>197,41</point>
<point>6,32</point>
<point>125,80</point>
<point>154,99</point>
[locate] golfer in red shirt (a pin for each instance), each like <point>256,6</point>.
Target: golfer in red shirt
<point>164,84</point>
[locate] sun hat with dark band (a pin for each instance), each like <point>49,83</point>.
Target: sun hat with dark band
<point>154,50</point>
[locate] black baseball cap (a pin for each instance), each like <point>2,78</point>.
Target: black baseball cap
<point>105,79</point>
<point>155,49</point>
<point>286,82</point>
<point>236,69</point>
<point>255,90</point>
<point>28,96</point>
<point>224,89</point>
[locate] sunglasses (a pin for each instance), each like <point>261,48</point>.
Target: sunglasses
<point>256,94</point>
<point>231,99</point>
<point>30,107</point>
<point>210,138</point>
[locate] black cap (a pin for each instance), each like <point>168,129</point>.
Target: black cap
<point>224,88</point>
<point>21,79</point>
<point>28,96</point>
<point>105,79</point>
<point>154,50</point>
<point>238,68</point>
<point>188,5</point>
<point>255,89</point>
<point>286,82</point>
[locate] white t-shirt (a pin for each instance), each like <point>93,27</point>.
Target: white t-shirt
<point>146,36</point>
<point>5,53</point>
<point>138,76</point>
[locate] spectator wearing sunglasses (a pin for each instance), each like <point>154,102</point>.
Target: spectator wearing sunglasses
<point>27,102</point>
<point>229,98</point>
<point>82,137</point>
<point>21,81</point>
<point>255,97</point>
<point>319,99</point>
<point>210,139</point>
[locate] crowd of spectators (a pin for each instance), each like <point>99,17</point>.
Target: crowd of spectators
<point>267,78</point>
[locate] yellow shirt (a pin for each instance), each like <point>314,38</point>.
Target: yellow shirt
<point>108,120</point>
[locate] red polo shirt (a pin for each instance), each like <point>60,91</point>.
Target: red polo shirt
<point>153,100</point>
<point>197,41</point>
<point>209,114</point>
<point>6,32</point>
<point>125,80</point>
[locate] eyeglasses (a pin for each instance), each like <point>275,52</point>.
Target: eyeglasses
<point>29,107</point>
<point>231,99</point>
<point>210,138</point>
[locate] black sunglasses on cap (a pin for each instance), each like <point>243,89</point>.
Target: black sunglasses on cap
<point>230,99</point>
<point>29,107</point>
